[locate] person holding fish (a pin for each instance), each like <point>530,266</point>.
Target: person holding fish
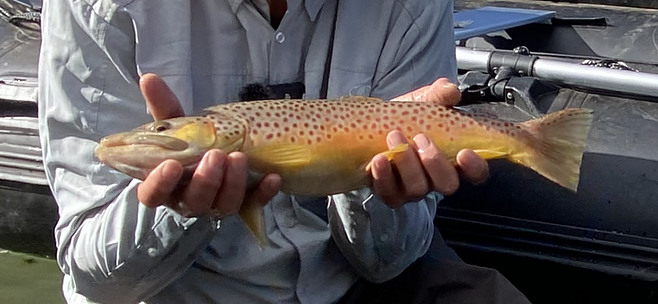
<point>176,236</point>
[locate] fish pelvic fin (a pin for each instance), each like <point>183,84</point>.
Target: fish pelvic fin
<point>390,154</point>
<point>557,144</point>
<point>252,215</point>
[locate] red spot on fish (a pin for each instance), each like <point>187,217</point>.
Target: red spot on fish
<point>269,136</point>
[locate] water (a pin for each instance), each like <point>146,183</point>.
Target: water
<point>29,279</point>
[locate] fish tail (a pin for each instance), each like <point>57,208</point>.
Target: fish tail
<point>557,144</point>
<point>251,214</point>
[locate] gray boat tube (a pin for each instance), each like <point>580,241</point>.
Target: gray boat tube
<point>569,73</point>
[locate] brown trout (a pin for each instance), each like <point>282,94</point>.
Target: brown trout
<point>323,147</point>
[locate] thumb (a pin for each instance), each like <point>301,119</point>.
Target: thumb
<point>160,100</point>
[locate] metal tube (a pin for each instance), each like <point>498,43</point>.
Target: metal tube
<point>600,78</point>
<point>472,60</point>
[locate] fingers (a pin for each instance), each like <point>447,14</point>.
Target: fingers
<point>415,173</point>
<point>410,170</point>
<point>441,91</point>
<point>159,185</point>
<point>217,187</point>
<point>472,167</point>
<point>267,188</point>
<point>441,173</point>
<point>384,182</point>
<point>160,100</point>
<point>230,195</point>
<point>206,181</point>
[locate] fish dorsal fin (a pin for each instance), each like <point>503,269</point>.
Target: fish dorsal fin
<point>289,156</point>
<point>359,99</point>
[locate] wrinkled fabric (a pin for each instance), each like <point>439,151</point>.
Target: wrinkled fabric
<point>112,249</point>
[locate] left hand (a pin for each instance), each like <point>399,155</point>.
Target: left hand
<point>424,168</point>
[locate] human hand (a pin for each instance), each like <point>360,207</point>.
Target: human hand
<point>218,185</point>
<point>424,168</point>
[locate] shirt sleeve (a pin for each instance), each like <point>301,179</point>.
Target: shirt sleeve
<point>381,242</point>
<point>111,248</point>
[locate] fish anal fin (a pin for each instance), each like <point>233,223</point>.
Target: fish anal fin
<point>489,154</point>
<point>391,153</point>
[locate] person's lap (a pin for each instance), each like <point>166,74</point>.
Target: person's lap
<point>438,279</point>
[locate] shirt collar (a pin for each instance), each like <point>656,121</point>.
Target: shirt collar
<point>312,6</point>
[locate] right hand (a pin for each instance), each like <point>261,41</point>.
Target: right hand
<point>217,187</point>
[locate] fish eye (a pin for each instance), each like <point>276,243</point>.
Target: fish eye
<point>160,126</point>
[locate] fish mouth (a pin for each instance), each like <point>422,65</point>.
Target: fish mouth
<point>157,140</point>
<point>138,154</point>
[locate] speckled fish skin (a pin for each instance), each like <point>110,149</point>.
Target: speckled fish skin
<point>322,147</point>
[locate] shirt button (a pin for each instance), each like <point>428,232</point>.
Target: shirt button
<point>152,252</point>
<point>280,37</point>
<point>290,222</point>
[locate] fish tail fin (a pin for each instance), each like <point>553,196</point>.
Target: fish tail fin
<point>556,147</point>
<point>251,214</point>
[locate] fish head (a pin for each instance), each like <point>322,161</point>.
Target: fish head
<point>184,139</point>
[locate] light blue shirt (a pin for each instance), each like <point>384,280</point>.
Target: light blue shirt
<point>112,249</point>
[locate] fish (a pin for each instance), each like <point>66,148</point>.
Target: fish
<point>324,147</point>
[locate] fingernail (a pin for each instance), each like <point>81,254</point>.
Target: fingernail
<point>212,160</point>
<point>395,138</point>
<point>422,142</point>
<point>449,85</point>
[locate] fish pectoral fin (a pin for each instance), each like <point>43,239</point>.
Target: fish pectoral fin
<point>390,154</point>
<point>489,154</point>
<point>284,155</point>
